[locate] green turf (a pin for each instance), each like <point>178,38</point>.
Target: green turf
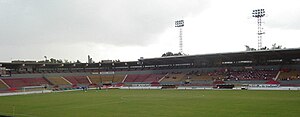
<point>151,103</point>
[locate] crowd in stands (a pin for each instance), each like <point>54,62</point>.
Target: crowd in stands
<point>193,77</point>
<point>234,75</point>
<point>252,75</point>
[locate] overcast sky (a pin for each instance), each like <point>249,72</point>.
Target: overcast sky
<point>130,29</point>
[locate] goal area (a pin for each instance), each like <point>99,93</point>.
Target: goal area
<point>33,88</point>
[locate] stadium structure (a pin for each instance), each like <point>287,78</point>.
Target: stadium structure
<point>262,68</point>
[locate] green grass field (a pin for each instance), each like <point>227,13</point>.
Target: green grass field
<point>151,103</point>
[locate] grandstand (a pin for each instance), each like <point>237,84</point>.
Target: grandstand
<point>23,82</point>
<point>78,80</point>
<point>59,81</point>
<point>239,68</point>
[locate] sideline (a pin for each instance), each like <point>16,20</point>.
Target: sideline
<point>25,93</point>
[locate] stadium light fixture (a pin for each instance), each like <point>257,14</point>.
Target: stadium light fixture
<point>180,24</point>
<point>259,13</point>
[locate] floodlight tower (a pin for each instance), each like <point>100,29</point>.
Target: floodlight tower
<point>259,13</point>
<point>180,24</point>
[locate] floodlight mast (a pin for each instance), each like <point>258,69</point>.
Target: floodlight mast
<point>259,13</point>
<point>180,24</point>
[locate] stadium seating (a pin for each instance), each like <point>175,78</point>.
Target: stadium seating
<point>205,78</point>
<point>107,78</point>
<point>71,79</point>
<point>58,81</point>
<point>173,77</point>
<point>289,75</point>
<point>202,76</point>
<point>136,77</point>
<point>252,75</point>
<point>77,79</point>
<point>2,85</point>
<point>22,82</point>
<point>118,78</point>
<point>198,77</point>
<point>154,77</point>
<point>95,79</point>
<point>143,78</point>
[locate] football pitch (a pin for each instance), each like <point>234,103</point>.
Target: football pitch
<point>154,103</point>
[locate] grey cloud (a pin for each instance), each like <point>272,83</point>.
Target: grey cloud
<point>291,23</point>
<point>115,22</point>
<point>285,16</point>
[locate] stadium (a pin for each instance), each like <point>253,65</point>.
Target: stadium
<point>216,80</point>
<point>175,81</point>
<point>279,68</point>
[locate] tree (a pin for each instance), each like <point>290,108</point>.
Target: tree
<point>264,48</point>
<point>274,47</point>
<point>248,48</point>
<point>52,60</point>
<point>66,61</point>
<point>167,54</point>
<point>171,54</point>
<point>178,54</point>
<point>59,61</point>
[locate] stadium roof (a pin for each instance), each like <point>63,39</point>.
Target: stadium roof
<point>293,53</point>
<point>216,59</point>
